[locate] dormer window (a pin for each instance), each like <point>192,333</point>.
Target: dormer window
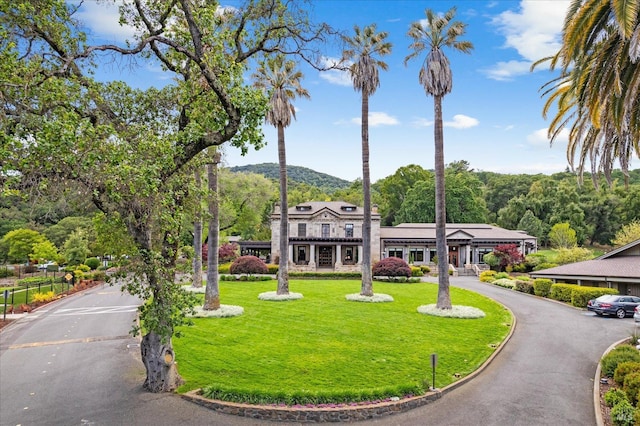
<point>303,208</point>
<point>348,208</point>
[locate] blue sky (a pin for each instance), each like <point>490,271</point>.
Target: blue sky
<point>493,116</point>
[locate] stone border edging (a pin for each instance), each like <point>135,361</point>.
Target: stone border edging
<point>596,383</point>
<point>339,414</point>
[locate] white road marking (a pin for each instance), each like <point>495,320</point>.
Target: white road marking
<point>95,310</point>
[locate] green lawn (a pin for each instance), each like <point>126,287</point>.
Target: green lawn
<point>326,344</point>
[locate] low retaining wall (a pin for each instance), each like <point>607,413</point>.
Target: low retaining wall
<point>313,415</point>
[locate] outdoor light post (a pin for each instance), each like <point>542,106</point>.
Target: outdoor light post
<point>434,362</point>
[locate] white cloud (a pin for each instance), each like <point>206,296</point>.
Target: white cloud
<point>504,71</point>
<point>540,138</point>
<point>421,122</point>
<point>103,19</point>
<point>461,121</point>
<point>534,32</point>
<point>337,77</point>
<point>378,119</point>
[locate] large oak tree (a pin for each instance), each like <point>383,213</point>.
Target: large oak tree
<point>131,149</point>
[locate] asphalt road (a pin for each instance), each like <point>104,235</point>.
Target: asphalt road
<point>73,363</point>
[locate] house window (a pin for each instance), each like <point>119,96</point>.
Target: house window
<point>481,253</point>
<point>416,255</point>
<point>395,252</point>
<point>348,230</point>
<point>302,230</point>
<point>325,230</point>
<point>433,254</point>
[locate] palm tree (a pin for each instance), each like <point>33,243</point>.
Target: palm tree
<point>598,91</point>
<point>364,73</point>
<point>282,80</point>
<point>436,78</point>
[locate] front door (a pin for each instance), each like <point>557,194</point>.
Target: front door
<point>325,257</point>
<point>453,256</point>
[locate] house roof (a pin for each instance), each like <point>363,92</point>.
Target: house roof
<point>335,208</point>
<point>457,231</point>
<point>621,264</point>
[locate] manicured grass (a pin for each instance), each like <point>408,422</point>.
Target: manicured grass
<point>326,344</point>
<point>20,295</point>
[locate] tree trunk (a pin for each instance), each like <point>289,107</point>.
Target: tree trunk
<point>367,284</point>
<point>197,238</point>
<point>212,292</point>
<point>159,361</point>
<point>444,298</point>
<point>283,265</point>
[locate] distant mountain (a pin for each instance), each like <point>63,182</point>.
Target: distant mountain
<point>295,174</point>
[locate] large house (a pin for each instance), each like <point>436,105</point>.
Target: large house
<point>619,269</point>
<point>328,236</point>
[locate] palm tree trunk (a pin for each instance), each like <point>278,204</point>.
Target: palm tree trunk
<point>197,238</point>
<point>444,298</point>
<point>367,285</point>
<point>283,265</point>
<point>212,292</point>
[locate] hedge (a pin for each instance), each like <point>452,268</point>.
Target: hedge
<point>577,295</point>
<point>542,287</point>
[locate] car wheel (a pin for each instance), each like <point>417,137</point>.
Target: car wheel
<point>599,314</point>
<point>620,313</point>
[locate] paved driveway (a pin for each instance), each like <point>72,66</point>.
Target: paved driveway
<point>73,364</point>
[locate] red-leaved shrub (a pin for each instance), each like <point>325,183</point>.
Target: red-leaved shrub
<point>248,265</point>
<point>391,267</point>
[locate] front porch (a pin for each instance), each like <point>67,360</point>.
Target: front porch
<point>325,257</point>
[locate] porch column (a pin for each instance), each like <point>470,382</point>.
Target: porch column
<point>360,255</point>
<point>290,254</point>
<point>312,256</point>
<point>338,255</point>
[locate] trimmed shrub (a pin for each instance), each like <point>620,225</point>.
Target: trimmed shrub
<point>43,297</point>
<point>425,269</point>
<point>273,269</point>
<point>223,268</point>
<point>92,263</point>
<point>580,296</point>
<point>542,287</point>
<point>99,276</point>
<point>524,286</point>
<point>614,396</point>
<point>416,271</point>
<point>391,267</point>
<point>562,292</point>
<point>621,354</point>
<point>623,369</point>
<point>326,275</point>
<point>501,275</point>
<point>82,267</point>
<point>631,386</point>
<point>622,413</point>
<point>31,281</point>
<point>248,265</point>
<point>505,282</point>
<point>487,276</point>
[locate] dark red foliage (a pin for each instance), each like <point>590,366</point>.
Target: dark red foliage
<point>228,252</point>
<point>508,254</point>
<point>248,265</point>
<point>391,267</point>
